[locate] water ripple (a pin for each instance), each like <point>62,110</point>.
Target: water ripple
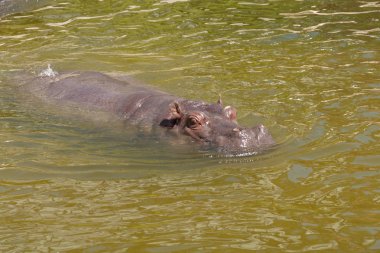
<point>308,70</point>
<point>315,12</point>
<point>111,15</point>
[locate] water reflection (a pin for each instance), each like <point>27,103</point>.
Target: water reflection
<point>307,70</point>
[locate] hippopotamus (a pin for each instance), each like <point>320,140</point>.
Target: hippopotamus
<point>208,124</point>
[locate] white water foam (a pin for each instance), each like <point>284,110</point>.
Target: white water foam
<point>49,72</point>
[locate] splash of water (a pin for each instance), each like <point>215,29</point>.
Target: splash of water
<point>49,72</point>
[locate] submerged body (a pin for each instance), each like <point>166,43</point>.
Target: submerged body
<point>208,124</point>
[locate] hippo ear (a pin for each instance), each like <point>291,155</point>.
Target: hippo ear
<point>173,117</point>
<point>230,112</point>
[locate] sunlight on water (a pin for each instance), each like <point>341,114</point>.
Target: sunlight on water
<point>75,180</point>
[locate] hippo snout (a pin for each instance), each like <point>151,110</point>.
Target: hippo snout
<point>245,140</point>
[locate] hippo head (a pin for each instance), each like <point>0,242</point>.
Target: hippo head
<point>215,126</point>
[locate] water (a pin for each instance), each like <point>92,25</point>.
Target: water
<point>308,70</point>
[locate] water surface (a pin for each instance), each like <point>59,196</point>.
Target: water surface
<point>308,70</point>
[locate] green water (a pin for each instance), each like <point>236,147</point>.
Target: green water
<point>308,70</point>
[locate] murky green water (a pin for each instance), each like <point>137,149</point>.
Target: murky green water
<point>309,70</point>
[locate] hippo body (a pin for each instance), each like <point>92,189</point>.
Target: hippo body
<point>208,124</point>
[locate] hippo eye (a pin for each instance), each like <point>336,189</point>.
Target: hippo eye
<point>196,120</point>
<point>192,123</point>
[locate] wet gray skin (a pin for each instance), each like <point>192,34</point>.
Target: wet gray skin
<point>210,125</point>
<point>8,7</point>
